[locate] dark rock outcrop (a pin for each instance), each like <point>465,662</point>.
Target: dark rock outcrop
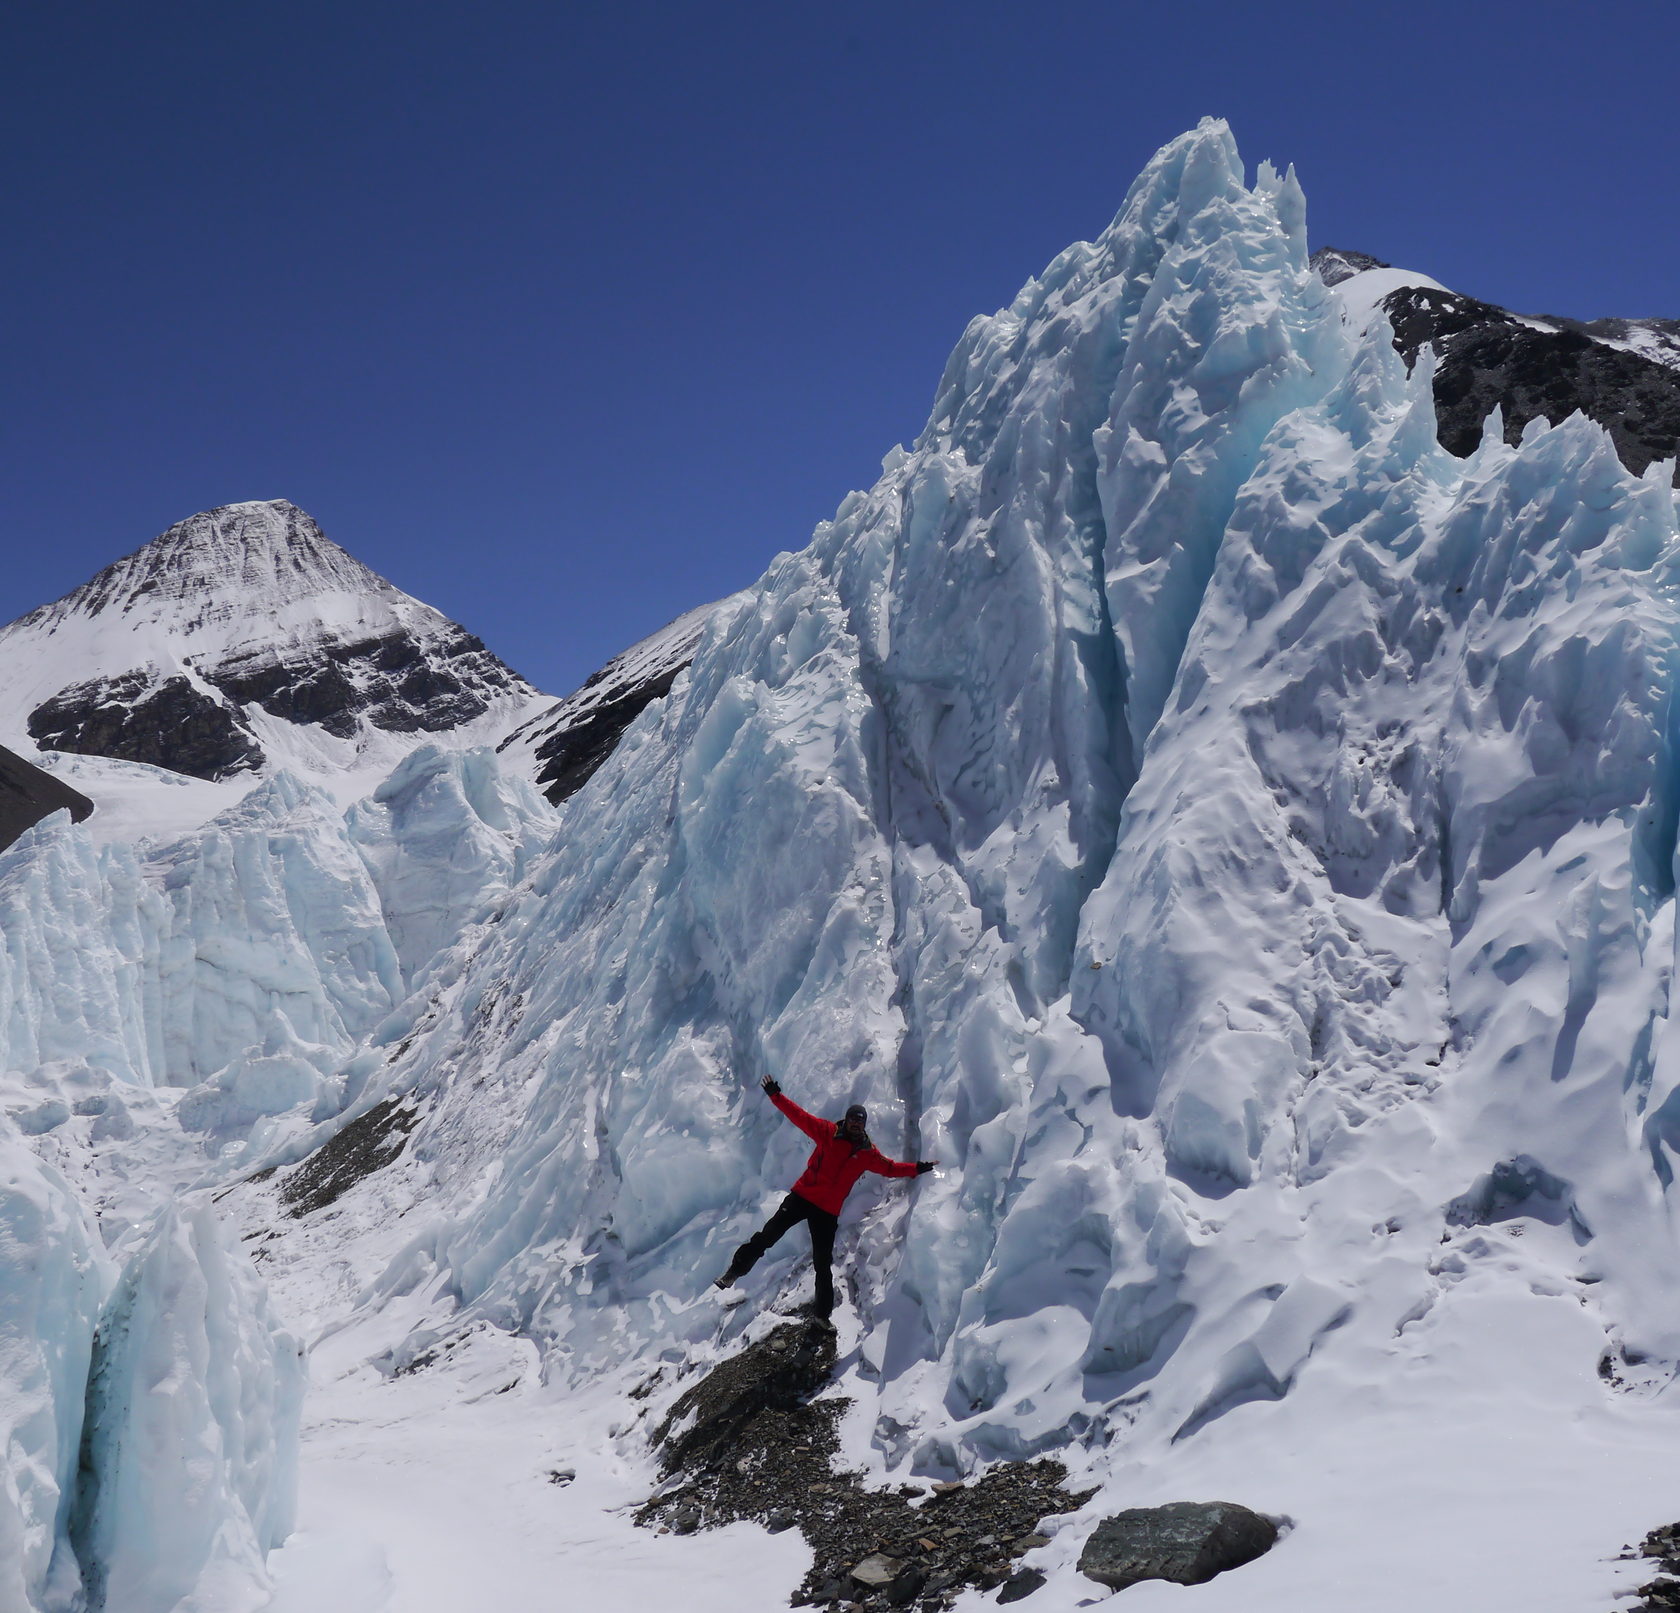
<point>1553,374</point>
<point>367,1144</point>
<point>138,718</point>
<point>1661,1594</point>
<point>750,1441</point>
<point>1529,369</point>
<point>1186,1542</point>
<point>394,682</point>
<point>572,738</point>
<point>768,1382</point>
<point>29,793</point>
<point>572,754</point>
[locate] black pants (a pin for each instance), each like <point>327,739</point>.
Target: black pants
<point>792,1211</point>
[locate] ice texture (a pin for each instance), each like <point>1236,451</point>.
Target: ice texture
<point>1233,836</point>
<point>1217,824</point>
<point>445,834</point>
<point>189,1464</point>
<point>52,1278</point>
<point>281,921</point>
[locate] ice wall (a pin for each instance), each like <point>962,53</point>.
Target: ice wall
<point>190,1449</point>
<point>244,962</point>
<point>446,834</point>
<point>52,1277</point>
<point>280,923</point>
<point>1232,834</point>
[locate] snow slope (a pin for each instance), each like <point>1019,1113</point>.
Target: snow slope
<point>562,747</point>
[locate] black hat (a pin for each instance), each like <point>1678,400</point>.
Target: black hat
<point>858,1113</point>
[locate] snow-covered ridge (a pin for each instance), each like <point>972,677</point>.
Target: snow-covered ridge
<point>236,564</point>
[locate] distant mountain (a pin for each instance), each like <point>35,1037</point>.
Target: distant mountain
<point>242,636</point>
<point>1623,373</point>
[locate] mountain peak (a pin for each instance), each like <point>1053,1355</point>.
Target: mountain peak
<point>234,638</point>
<point>252,555</point>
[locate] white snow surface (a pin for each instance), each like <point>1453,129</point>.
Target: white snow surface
<point>1230,834</point>
<point>1361,295</point>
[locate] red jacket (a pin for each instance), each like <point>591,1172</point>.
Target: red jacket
<point>835,1164</point>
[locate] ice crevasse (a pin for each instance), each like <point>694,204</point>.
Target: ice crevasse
<point>1232,834</point>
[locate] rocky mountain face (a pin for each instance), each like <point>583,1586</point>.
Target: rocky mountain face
<point>1622,373</point>
<point>199,652</point>
<point>571,739</point>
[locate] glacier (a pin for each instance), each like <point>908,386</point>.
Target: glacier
<point>1232,834</point>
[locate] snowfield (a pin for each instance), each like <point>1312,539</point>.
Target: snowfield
<point>1234,836</point>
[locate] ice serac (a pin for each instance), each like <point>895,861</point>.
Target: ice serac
<point>190,1451</point>
<point>935,712</point>
<point>444,836</point>
<point>244,637</point>
<point>1232,833</point>
<point>52,1278</point>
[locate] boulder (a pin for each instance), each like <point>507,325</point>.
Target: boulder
<point>1020,1585</point>
<point>707,1426</point>
<point>1186,1542</point>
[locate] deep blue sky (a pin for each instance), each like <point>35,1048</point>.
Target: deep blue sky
<point>567,318</point>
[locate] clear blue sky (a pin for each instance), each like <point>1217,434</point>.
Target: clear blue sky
<point>569,317</point>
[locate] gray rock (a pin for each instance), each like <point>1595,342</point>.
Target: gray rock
<point>907,1583</point>
<point>1020,1585</point>
<point>704,1429</point>
<point>28,793</point>
<point>1186,1542</point>
<point>877,1570</point>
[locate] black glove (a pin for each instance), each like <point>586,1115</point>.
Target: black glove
<point>923,1166</point>
<point>772,1086</point>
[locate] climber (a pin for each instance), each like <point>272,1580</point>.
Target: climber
<point>843,1153</point>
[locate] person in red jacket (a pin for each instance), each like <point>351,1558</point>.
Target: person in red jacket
<point>843,1153</point>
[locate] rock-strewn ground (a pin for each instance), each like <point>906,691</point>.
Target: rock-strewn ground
<point>748,1441</point>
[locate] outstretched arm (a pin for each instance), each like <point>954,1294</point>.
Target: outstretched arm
<point>813,1128</point>
<point>882,1166</point>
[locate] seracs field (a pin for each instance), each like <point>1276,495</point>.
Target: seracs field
<point>1232,834</point>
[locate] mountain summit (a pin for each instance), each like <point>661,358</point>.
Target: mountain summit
<point>243,635</point>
